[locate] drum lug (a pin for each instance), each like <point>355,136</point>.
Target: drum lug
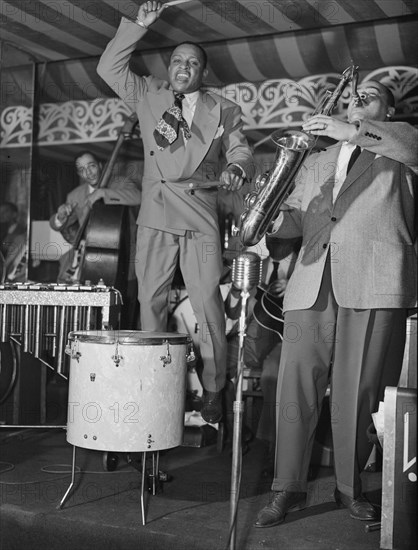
<point>166,359</point>
<point>72,351</point>
<point>117,358</point>
<point>191,356</point>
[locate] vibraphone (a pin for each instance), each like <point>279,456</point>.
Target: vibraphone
<point>39,316</point>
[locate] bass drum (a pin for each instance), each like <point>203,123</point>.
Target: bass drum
<point>183,320</point>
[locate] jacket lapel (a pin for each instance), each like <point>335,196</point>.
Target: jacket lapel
<point>205,123</point>
<point>326,162</point>
<point>161,101</point>
<point>364,160</point>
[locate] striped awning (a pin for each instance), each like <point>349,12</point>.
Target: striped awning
<point>246,40</point>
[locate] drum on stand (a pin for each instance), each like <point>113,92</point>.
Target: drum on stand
<point>126,390</point>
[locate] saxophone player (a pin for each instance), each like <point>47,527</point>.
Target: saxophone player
<point>346,302</point>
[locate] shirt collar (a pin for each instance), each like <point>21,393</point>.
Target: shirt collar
<point>348,145</point>
<point>191,98</point>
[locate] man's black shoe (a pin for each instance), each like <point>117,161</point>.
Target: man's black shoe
<point>276,510</point>
<point>212,407</point>
<point>359,507</point>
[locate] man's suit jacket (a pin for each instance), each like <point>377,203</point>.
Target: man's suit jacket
<point>369,231</point>
<point>119,192</point>
<point>172,195</point>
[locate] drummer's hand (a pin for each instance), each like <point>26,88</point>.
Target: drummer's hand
<point>94,197</point>
<point>149,12</point>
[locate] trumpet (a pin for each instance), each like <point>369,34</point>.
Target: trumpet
<point>272,188</point>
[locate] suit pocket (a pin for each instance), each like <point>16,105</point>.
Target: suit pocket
<point>394,269</point>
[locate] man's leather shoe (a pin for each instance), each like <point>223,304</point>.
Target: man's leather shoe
<point>276,510</point>
<point>359,507</point>
<point>212,407</point>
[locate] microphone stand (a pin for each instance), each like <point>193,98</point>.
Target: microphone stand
<point>237,428</point>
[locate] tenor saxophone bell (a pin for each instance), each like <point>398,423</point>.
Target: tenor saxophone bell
<point>263,204</point>
<point>271,188</point>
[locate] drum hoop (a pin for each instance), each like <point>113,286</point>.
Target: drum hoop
<point>129,338</point>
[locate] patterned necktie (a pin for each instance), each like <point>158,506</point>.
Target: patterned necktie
<point>168,127</point>
<point>354,156</point>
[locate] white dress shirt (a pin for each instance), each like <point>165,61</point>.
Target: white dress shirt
<point>189,106</point>
<point>341,168</point>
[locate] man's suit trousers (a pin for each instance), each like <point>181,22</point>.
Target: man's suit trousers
<point>200,261</point>
<point>357,352</point>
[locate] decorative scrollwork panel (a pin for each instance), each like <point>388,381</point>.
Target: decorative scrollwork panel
<point>82,121</point>
<point>16,126</point>
<point>271,104</point>
<point>282,103</point>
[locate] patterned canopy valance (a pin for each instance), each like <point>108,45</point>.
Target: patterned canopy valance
<point>272,104</point>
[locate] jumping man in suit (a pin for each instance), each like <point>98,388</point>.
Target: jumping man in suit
<point>187,140</point>
<point>347,299</point>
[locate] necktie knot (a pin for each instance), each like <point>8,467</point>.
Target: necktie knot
<point>178,98</point>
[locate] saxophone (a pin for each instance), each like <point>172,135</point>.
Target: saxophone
<point>272,187</point>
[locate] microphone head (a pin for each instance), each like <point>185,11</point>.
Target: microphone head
<point>246,271</point>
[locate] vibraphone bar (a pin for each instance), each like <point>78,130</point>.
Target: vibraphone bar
<point>39,316</point>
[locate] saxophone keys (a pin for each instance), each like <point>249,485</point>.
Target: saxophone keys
<point>251,199</point>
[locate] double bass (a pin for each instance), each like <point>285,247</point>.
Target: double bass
<point>101,244</point>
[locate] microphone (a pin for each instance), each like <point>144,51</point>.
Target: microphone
<point>246,271</point>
